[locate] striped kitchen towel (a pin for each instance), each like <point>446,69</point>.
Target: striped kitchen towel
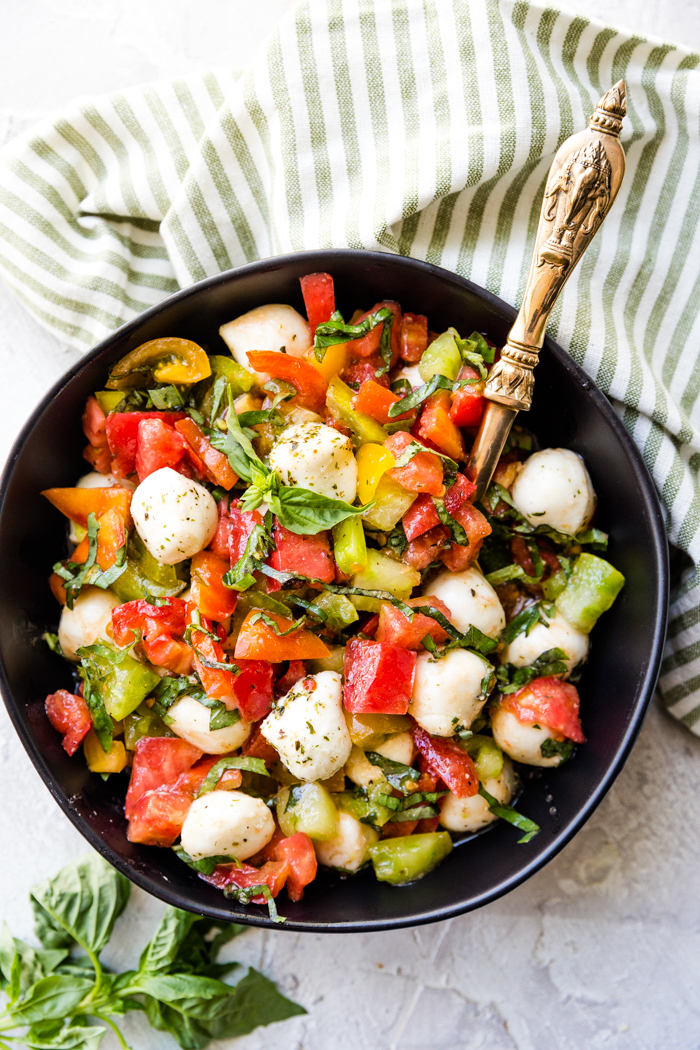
<point>423,127</point>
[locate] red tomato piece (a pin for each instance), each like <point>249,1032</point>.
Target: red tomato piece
<point>468,404</point>
<point>422,474</point>
<point>319,298</point>
<point>242,524</point>
<point>307,555</point>
<point>217,682</point>
<point>157,817</point>
<point>458,493</point>
<point>158,760</point>
<point>370,627</point>
<point>257,641</point>
<point>446,760</point>
<point>171,653</point>
<point>369,344</point>
<point>110,540</point>
<point>221,544</point>
<point>294,673</point>
<point>298,852</point>
<point>414,337</point>
<point>549,702</point>
<point>209,593</point>
<point>273,874</point>
<point>427,825</point>
<point>359,372</point>
<point>378,677</point>
<point>420,517</point>
<point>252,689</point>
<point>69,715</point>
<point>152,620</point>
<point>310,384</point>
<point>398,828</point>
<point>216,464</point>
<point>436,426</point>
<point>375,400</point>
<point>158,445</point>
<point>521,555</point>
<point>258,747</point>
<point>97,451</point>
<point>122,436</point>
<point>395,628</point>
<point>476,527</point>
<point>426,548</point>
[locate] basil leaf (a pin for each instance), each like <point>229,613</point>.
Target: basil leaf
<point>595,538</point>
<point>417,397</point>
<point>236,445</point>
<point>162,949</point>
<point>71,1037</point>
<point>251,765</point>
<point>306,513</point>
<point>414,448</point>
<point>170,689</point>
<point>396,773</point>
<point>258,547</point>
<point>336,331</point>
<point>472,638</point>
<point>81,903</point>
<point>548,664</point>
<point>51,998</point>
<point>269,622</point>
<point>244,895</point>
<point>396,540</point>
<point>166,397</point>
<point>222,718</point>
<point>254,1001</point>
<point>523,623</point>
<point>476,345</point>
<point>206,865</point>
<point>550,748</point>
<point>511,816</point>
<point>457,531</point>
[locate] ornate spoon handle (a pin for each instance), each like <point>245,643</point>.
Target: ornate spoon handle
<point>581,186</point>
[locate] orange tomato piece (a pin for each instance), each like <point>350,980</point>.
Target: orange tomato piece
<point>310,384</point>
<point>213,599</point>
<point>422,474</point>
<point>110,539</point>
<point>436,426</point>
<point>77,503</point>
<point>257,641</point>
<point>376,400</point>
<point>215,463</point>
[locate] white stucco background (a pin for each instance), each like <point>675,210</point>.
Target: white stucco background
<point>602,948</point>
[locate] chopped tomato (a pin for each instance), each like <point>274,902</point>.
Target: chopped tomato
<point>217,681</point>
<point>294,673</point>
<point>97,451</point>
<point>257,641</point>
<point>376,401</point>
<point>307,555</point>
<point>216,464</point>
<point>319,298</point>
<point>521,555</point>
<point>427,825</point>
<point>359,372</point>
<point>77,503</point>
<point>150,619</point>
<point>395,628</point>
<point>309,382</point>
<point>158,445</point>
<point>273,874</point>
<point>468,402</point>
<point>436,426</point>
<point>476,527</point>
<point>298,851</point>
<point>458,493</point>
<point>378,677</point>
<point>209,593</point>
<point>242,524</point>
<point>171,653</point>
<point>420,517</point>
<point>445,759</point>
<point>422,474</point>
<point>258,747</point>
<point>221,544</point>
<point>111,537</point>
<point>398,828</point>
<point>69,715</point>
<point>370,627</point>
<point>57,588</point>
<point>369,344</point>
<point>122,435</point>
<point>157,816</point>
<point>426,548</point>
<point>252,689</point>
<point>414,337</point>
<point>158,760</point>
<point>549,702</point>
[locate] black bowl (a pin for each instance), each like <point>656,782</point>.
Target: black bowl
<point>616,687</point>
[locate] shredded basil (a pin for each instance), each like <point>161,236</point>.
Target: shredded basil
<point>398,775</point>
<point>396,540</point>
<point>76,575</point>
<point>550,748</point>
<point>244,895</point>
<point>222,718</point>
<point>511,816</point>
<point>258,547</point>
<point>457,531</point>
<point>336,331</point>
<point>206,865</point>
<point>526,620</point>
<point>269,622</point>
<point>53,643</point>
<point>166,397</point>
<point>548,664</point>
<point>251,765</point>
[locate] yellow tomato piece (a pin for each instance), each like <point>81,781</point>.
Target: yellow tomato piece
<point>372,462</point>
<point>99,762</point>
<point>334,361</point>
<point>169,360</point>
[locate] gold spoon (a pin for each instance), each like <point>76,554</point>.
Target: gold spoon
<point>582,184</point>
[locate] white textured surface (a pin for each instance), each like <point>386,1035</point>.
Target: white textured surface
<point>601,949</point>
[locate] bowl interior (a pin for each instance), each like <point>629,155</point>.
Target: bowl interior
<point>618,682</point>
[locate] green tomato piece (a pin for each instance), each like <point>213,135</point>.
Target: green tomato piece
<point>442,357</point>
<point>339,611</point>
<point>363,809</point>
<point>391,503</point>
<point>487,755</point>
<point>349,546</point>
<point>134,584</point>
<point>143,722</point>
<point>340,402</point>
<point>238,378</point>
<point>410,857</point>
<point>334,662</point>
<point>108,400</point>
<point>125,685</point>
<point>553,587</point>
<point>593,586</point>
<point>308,808</point>
<point>384,573</point>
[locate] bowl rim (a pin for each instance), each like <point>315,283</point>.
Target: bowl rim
<point>647,680</point>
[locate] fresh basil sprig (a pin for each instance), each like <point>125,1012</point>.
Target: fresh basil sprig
<point>511,816</point>
<point>54,997</point>
<point>299,510</point>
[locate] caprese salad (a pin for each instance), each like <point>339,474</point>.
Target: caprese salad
<point>290,625</point>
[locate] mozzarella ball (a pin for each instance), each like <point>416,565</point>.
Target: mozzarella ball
<point>348,850</point>
<point>556,634</point>
<point>227,824</point>
<point>554,488</point>
<point>399,748</point>
<point>448,693</point>
<point>308,727</point>
<point>87,622</point>
<point>360,770</point>
<point>316,456</point>
<point>522,741</point>
<point>190,720</point>
<point>269,327</point>
<point>473,814</point>
<point>472,601</point>
<point>411,373</point>
<point>175,517</point>
<point>94,480</point>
